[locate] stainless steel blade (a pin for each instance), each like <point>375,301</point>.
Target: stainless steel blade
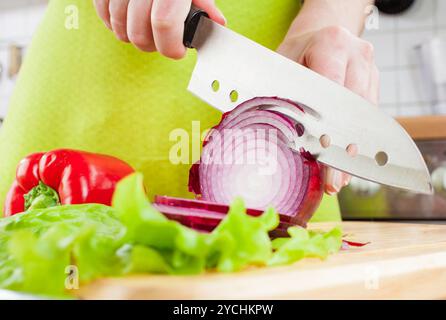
<point>241,65</point>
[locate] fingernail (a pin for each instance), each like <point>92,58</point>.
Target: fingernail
<point>334,181</point>
<point>338,180</point>
<point>122,38</point>
<point>222,16</point>
<point>108,25</point>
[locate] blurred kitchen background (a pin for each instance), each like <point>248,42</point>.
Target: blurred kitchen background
<point>18,21</point>
<point>410,48</point>
<point>404,65</point>
<point>409,37</point>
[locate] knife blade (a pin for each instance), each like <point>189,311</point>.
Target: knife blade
<point>386,153</point>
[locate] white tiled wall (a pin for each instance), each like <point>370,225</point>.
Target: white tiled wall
<point>18,21</point>
<point>402,92</point>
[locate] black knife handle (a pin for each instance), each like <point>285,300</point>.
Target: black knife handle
<point>191,25</point>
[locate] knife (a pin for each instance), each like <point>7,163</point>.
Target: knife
<point>386,153</point>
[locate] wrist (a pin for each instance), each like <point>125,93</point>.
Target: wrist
<point>318,14</point>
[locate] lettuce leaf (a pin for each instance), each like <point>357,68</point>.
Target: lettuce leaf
<point>241,240</point>
<point>40,249</point>
<point>303,244</point>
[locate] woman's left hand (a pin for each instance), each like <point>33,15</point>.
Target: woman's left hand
<point>339,55</point>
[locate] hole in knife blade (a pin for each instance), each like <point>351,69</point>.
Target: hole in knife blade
<point>325,141</point>
<point>215,85</point>
<point>233,96</point>
<point>352,150</point>
<point>381,158</point>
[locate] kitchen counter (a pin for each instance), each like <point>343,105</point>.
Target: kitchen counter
<point>402,261</point>
<point>425,127</point>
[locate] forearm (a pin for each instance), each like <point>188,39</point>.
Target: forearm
<point>317,14</point>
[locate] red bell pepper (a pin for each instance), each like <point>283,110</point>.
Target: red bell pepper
<point>64,177</point>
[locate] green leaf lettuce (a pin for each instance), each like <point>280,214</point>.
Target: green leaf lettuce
<point>37,248</point>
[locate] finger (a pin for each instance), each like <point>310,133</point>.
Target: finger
<point>211,9</point>
<point>118,18</point>
<point>357,77</point>
<point>374,85</point>
<point>360,68</point>
<point>362,77</point>
<point>329,53</point>
<point>139,29</point>
<point>102,8</point>
<point>334,181</point>
<point>330,65</point>
<point>372,95</point>
<point>168,18</point>
<point>357,80</point>
<point>352,150</point>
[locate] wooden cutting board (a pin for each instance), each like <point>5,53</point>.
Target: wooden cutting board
<point>402,261</point>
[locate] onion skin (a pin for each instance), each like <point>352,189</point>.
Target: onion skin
<point>194,179</point>
<point>315,191</point>
<point>296,187</point>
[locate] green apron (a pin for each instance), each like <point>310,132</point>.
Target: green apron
<point>81,88</point>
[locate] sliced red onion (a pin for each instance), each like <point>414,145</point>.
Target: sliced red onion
<point>247,156</point>
<point>199,204</point>
<point>201,215</point>
<point>201,220</point>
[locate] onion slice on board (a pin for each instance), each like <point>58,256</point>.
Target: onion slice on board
<point>202,209</point>
<point>203,216</point>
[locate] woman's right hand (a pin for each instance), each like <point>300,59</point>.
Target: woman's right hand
<point>153,25</point>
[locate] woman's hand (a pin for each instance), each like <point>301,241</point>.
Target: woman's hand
<point>153,25</point>
<point>339,55</point>
<point>325,38</point>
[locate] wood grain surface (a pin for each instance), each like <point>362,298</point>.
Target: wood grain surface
<point>402,261</point>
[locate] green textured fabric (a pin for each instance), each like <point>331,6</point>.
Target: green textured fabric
<point>83,89</point>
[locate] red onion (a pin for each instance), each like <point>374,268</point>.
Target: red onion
<point>247,155</point>
<point>202,215</point>
<point>199,208</point>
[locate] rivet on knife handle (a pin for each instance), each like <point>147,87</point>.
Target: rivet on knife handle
<point>191,24</point>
